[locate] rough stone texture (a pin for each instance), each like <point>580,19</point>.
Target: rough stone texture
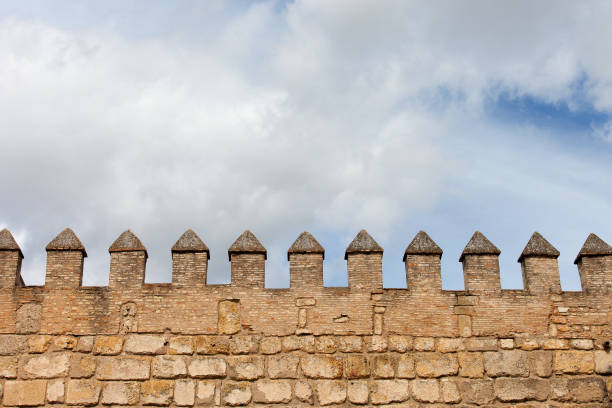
<point>603,362</point>
<point>247,242</point>
<point>389,391</point>
<point>190,242</point>
<point>8,366</point>
<point>479,245</point>
<point>123,368</point>
<point>574,362</point>
<point>28,318</point>
<point>120,393</point>
<point>144,344</point>
<point>471,365</point>
<point>229,317</point>
<point>476,391</point>
<point>449,391</point>
<point>506,363</point>
<point>521,389</point>
<point>157,392</point>
<point>303,392</point>
<point>82,392</point>
<point>539,246</point>
<point>594,246</point>
<point>55,390</point>
<point>244,344</point>
<point>541,363</point>
<point>184,393</point>
<point>425,390</point>
<point>180,345</point>
<point>422,244</point>
<point>285,366</point>
<point>168,367</point>
<point>20,393</point>
<point>127,242</point>
<point>270,345</point>
<point>207,367</point>
<point>330,391</point>
<point>66,241</point>
<point>321,366</point>
<point>82,366</point>
<point>45,366</point>
<point>436,364</point>
<point>205,392</point>
<point>108,345</point>
<point>306,244</point>
<point>358,392</point>
<point>424,344</point>
<point>272,391</point>
<point>213,344</point>
<point>398,343</point>
<point>586,389</point>
<point>235,394</point>
<point>363,243</point>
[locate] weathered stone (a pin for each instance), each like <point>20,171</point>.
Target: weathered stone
<point>582,344</point>
<point>45,366</point>
<point>229,317</point>
<point>574,362</point>
<point>246,367</point>
<point>450,345</point>
<point>506,363</point>
<point>389,391</point>
<point>527,344</point>
<point>436,364</point>
<point>376,344</point>
<point>144,344</point>
<point>358,392</point>
<point>405,366</point>
<point>123,368</point>
<point>206,391</point>
<point>55,391</point>
<point>476,391</point>
<point>356,366</point>
<point>168,367</point>
<point>425,390</point>
<point>325,345</point>
<point>64,343</point>
<point>559,390</point>
<point>157,392</point>
<point>316,366</point>
<point>8,366</point>
<point>180,345</point>
<point>82,392</point>
<point>284,366</point>
<point>212,345</point>
<point>11,344</point>
<point>184,393</point>
<point>82,366</point>
<point>521,389</point>
<point>603,362</point>
<point>555,344</point>
<point>244,344</point>
<point>235,394</point>
<point>588,389</point>
<point>541,363</point>
<point>272,391</point>
<point>121,393</point>
<point>270,345</point>
<point>383,366</point>
<point>399,343</point>
<point>303,392</point>
<point>350,344</point>
<point>28,318</point>
<point>471,364</point>
<point>424,343</point>
<point>85,344</point>
<point>108,345</point>
<point>330,392</point>
<point>506,344</point>
<point>480,344</point>
<point>207,367</point>
<point>449,391</point>
<point>39,343</point>
<point>28,393</point>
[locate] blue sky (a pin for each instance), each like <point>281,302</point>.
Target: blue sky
<point>323,116</point>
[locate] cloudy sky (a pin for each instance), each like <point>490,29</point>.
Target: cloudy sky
<point>324,116</point>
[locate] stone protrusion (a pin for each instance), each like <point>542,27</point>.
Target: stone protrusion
<point>364,263</point>
<point>306,262</point>
<point>480,260</point>
<point>65,255</point>
<point>128,261</point>
<point>306,244</point>
<point>422,262</point>
<point>539,266</point>
<point>248,257</point>
<point>595,265</point>
<point>246,243</point>
<point>10,261</point>
<point>189,260</point>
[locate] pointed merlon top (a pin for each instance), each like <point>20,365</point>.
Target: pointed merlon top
<point>306,244</point>
<point>539,246</point>
<point>363,243</point>
<point>479,245</point>
<point>66,241</point>
<point>247,243</point>
<point>127,242</point>
<point>594,246</point>
<point>422,244</point>
<point>8,243</point>
<point>190,242</point>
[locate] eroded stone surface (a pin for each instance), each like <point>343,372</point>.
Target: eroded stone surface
<point>317,366</point>
<point>272,391</point>
<point>330,392</point>
<point>25,393</point>
<point>389,391</point>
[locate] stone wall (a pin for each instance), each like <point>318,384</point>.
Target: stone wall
<point>192,344</point>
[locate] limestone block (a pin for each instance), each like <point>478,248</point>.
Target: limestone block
<point>325,345</point>
<point>377,344</point>
<point>355,366</point>
<point>270,345</point>
<point>389,391</point>
<point>244,344</point>
<point>123,368</point>
<point>28,318</point>
<point>168,367</point>
<point>405,366</point>
<point>29,393</point>
<point>425,390</point>
<point>581,344</point>
<point>449,391</point>
<point>235,394</point>
<point>471,364</point>
<point>541,363</point>
<point>349,344</point>
<point>246,367</point>
<point>85,344</point>
<point>82,366</point>
<point>303,392</point>
<point>436,364</point>
<point>206,392</point>
<point>144,344</point>
<point>559,390</point>
<point>588,389</point>
<point>45,366</point>
<point>8,366</point>
<point>316,366</point>
<point>229,317</point>
<point>450,345</point>
<point>121,393</point>
<point>383,366</point>
<point>506,344</point>
<point>212,345</point>
<point>272,391</point>
<point>424,343</point>
<point>11,344</point>
<point>55,391</point>
<point>506,363</point>
<point>184,393</point>
<point>180,345</point>
<point>521,389</point>
<point>207,367</point>
<point>157,392</point>
<point>603,362</point>
<point>527,344</point>
<point>39,343</point>
<point>476,391</point>
<point>330,392</point>
<point>480,344</point>
<point>108,345</point>
<point>555,344</point>
<point>283,366</point>
<point>82,392</point>
<point>358,392</point>
<point>574,362</point>
<point>64,343</point>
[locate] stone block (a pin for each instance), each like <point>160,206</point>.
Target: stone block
<point>316,366</point>
<point>425,390</point>
<point>377,344</point>
<point>207,367</point>
<point>389,391</point>
<point>450,345</point>
<point>574,362</point>
<point>521,389</point>
<point>603,362</point>
<point>476,391</point>
<point>212,345</point>
<point>244,344</point>
<point>405,366</point>
<point>283,366</point>
<point>82,392</point>
<point>527,344</point>
<point>325,345</point>
<point>8,366</point>
<point>399,343</point>
<point>424,343</point>
<point>144,344</point>
<point>589,389</point>
<point>229,317</point>
<point>236,393</point>
<point>506,344</point>
<point>168,367</point>
<point>303,392</point>
<point>270,345</point>
<point>64,343</point>
<point>480,344</point>
<point>25,393</point>
<point>44,366</point>
<point>157,392</point>
<point>180,345</point>
<point>184,393</point>
<point>272,391</point>
<point>349,344</point>
<point>506,363</point>
<point>449,391</point>
<point>430,365</point>
<point>85,344</point>
<point>205,392</point>
<point>355,366</point>
<point>39,343</point>
<point>55,391</point>
<point>108,345</point>
<point>82,366</point>
<point>581,344</point>
<point>246,367</point>
<point>357,391</point>
<point>555,344</point>
<point>123,368</point>
<point>330,392</point>
<point>11,344</point>
<point>541,363</point>
<point>471,364</point>
<point>383,366</point>
<point>28,318</point>
<point>120,393</point>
